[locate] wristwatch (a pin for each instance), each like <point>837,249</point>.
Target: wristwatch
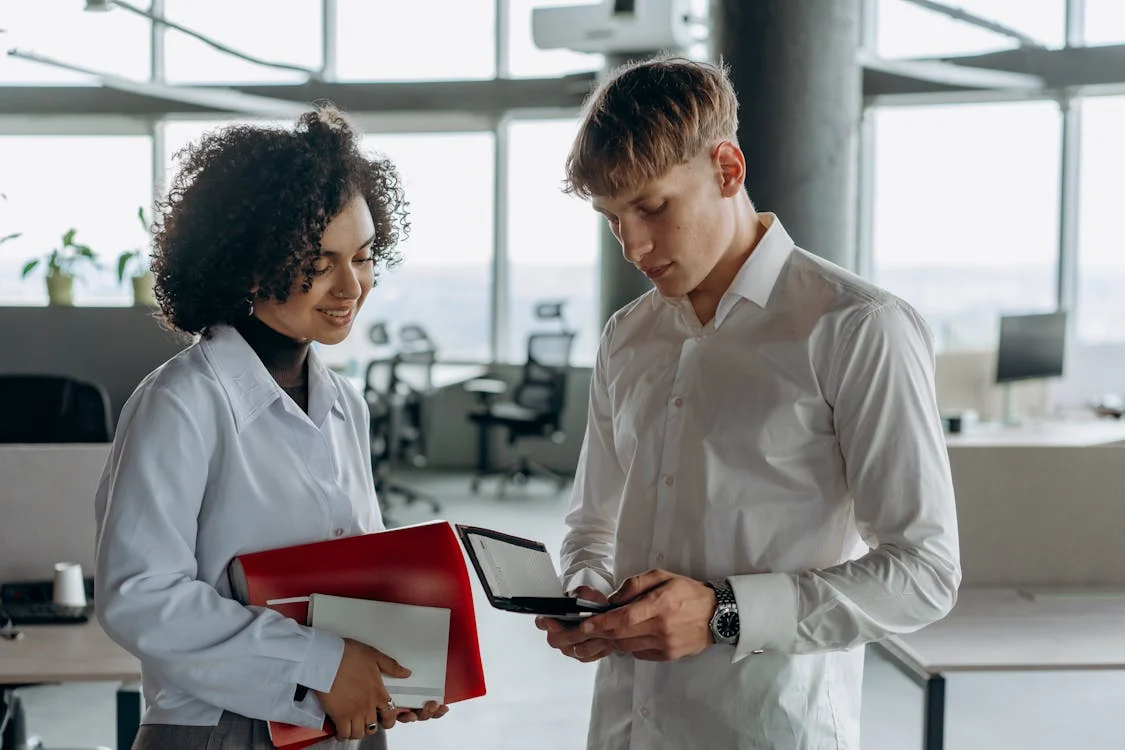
<point>725,626</point>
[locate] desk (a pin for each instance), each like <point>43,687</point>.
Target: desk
<point>442,375</point>
<point>76,653</point>
<point>1045,433</point>
<point>1008,630</point>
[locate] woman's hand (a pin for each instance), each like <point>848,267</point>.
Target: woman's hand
<point>358,697</point>
<point>432,710</point>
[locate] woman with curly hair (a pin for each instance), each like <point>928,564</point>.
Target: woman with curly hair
<point>267,241</point>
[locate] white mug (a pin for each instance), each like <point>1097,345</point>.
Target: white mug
<point>70,588</point>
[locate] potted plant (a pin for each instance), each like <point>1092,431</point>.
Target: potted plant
<point>141,276</point>
<point>63,264</point>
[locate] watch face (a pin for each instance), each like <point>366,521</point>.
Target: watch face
<point>727,624</point>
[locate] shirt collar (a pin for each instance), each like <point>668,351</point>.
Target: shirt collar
<point>756,279</point>
<point>249,386</point>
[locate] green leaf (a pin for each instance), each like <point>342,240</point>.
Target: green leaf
<point>28,268</point>
<point>11,236</point>
<point>141,216</point>
<point>68,238</point>
<point>122,262</point>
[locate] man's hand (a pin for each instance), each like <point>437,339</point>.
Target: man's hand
<point>568,639</point>
<point>358,697</point>
<point>662,617</point>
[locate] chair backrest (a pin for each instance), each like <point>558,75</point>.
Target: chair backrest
<point>543,385</point>
<point>53,409</point>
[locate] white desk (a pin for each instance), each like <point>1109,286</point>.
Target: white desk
<point>1005,630</point>
<point>76,653</point>
<point>442,375</point>
<point>1042,433</point>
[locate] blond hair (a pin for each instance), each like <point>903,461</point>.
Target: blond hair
<point>646,118</point>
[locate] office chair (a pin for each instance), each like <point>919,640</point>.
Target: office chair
<point>535,410</point>
<point>398,433</point>
<point>53,409</point>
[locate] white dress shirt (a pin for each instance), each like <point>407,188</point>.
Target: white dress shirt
<point>211,459</point>
<point>793,446</point>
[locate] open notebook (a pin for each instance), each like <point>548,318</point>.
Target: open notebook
<point>518,575</point>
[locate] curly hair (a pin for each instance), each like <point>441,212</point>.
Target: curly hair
<point>247,209</point>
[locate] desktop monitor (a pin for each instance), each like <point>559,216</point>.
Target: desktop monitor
<point>1031,347</point>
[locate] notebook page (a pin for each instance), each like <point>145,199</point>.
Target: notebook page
<point>513,570</point>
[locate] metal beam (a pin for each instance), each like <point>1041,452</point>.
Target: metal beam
<point>220,99</point>
<point>960,14</point>
<point>947,74</point>
<point>1081,70</point>
<point>1059,69</point>
<point>492,98</point>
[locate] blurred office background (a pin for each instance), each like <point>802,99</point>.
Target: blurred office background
<point>972,166</point>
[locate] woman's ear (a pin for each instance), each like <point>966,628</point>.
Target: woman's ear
<point>731,168</point>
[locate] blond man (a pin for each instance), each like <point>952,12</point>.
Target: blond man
<point>763,486</point>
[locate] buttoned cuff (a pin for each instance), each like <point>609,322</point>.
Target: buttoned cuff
<point>767,612</point>
<point>322,661</point>
<point>589,577</point>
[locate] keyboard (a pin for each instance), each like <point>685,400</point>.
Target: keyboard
<point>42,613</point>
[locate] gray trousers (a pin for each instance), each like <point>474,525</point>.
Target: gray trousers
<point>233,732</point>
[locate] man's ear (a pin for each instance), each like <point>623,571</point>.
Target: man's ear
<point>730,166</point>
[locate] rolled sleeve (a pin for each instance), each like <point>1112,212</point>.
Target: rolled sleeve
<point>767,612</point>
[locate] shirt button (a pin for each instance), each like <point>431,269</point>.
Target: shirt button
<point>644,712</point>
<point>669,480</point>
<point>679,401</point>
<point>338,532</point>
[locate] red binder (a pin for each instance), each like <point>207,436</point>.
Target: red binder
<point>421,564</point>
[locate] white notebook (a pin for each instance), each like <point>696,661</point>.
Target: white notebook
<point>416,637</point>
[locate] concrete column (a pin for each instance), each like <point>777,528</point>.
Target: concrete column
<point>794,66</point>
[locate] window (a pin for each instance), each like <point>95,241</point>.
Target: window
<point>552,240</point>
<point>525,60</point>
<point>966,213</point>
<point>444,281</point>
<point>95,186</point>
<point>416,40</point>
<point>1105,22</point>
<point>1101,257</point>
<point>908,30</point>
<point>259,28</point>
<point>115,42</point>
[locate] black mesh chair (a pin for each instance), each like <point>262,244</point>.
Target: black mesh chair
<point>395,390</point>
<point>535,410</point>
<point>53,409</point>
